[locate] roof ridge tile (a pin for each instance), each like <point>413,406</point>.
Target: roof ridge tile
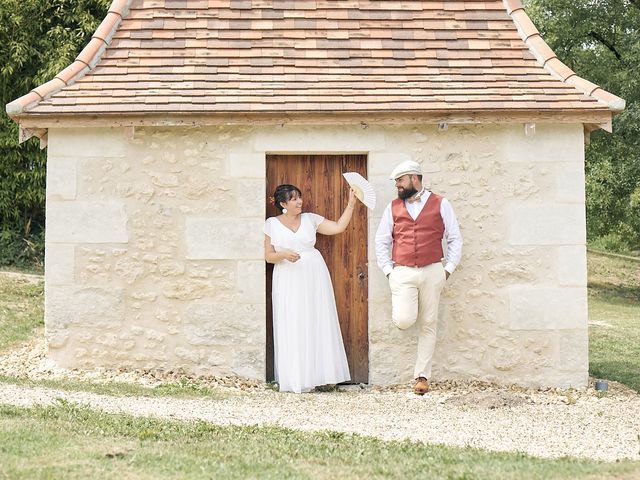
<point>548,59</point>
<point>84,62</point>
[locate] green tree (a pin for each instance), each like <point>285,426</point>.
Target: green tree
<point>38,38</point>
<point>600,41</point>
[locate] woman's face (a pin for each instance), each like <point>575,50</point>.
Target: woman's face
<point>294,206</point>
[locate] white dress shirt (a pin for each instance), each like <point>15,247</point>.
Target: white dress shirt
<point>384,235</point>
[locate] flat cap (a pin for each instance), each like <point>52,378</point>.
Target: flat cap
<point>406,167</point>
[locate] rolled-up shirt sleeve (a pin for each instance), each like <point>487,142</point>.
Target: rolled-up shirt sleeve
<point>452,236</point>
<point>384,241</point>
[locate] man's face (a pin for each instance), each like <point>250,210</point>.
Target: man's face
<point>405,186</point>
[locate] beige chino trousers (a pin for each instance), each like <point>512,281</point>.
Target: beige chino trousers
<point>415,295</point>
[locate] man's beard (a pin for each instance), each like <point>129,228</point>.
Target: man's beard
<point>407,193</point>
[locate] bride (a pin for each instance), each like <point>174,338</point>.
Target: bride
<point>308,347</point>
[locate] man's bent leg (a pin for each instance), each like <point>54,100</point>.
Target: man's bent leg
<point>404,297</point>
<point>431,284</point>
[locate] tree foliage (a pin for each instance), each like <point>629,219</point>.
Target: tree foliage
<point>600,41</point>
<point>38,38</point>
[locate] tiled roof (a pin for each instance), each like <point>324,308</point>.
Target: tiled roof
<point>217,56</point>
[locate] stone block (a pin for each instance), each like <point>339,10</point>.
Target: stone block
<point>102,308</point>
<point>549,143</point>
<point>251,282</point>
<point>547,224</point>
<point>554,378</point>
<point>385,193</point>
<point>184,289</point>
<point>547,308</point>
<point>569,182</point>
<point>379,290</point>
<point>56,338</point>
<point>323,139</point>
<point>247,165</point>
<point>59,261</point>
<point>188,356</point>
<point>224,238</point>
<point>224,324</point>
<point>574,351</point>
<point>382,163</point>
<point>196,186</point>
<point>572,265</point>
<point>578,379</point>
<point>217,359</point>
<point>107,340</point>
<point>164,179</point>
<point>511,272</point>
<point>522,185</point>
<point>87,142</point>
<point>61,178</point>
<point>506,358</point>
<point>383,330</point>
<point>86,222</point>
<point>389,364</point>
<point>249,363</point>
<point>251,198</point>
<point>62,357</point>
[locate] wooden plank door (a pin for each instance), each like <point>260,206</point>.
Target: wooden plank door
<point>324,191</point>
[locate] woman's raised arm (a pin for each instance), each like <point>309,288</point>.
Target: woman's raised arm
<point>329,227</point>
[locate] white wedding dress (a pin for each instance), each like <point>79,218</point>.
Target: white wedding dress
<point>308,348</point>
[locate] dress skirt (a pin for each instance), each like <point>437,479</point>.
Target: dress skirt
<point>308,346</point>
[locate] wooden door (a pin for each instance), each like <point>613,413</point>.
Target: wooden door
<point>324,191</point>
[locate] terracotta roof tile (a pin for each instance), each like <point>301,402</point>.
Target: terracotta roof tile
<point>216,56</point>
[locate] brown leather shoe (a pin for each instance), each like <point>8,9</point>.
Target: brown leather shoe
<point>421,387</point>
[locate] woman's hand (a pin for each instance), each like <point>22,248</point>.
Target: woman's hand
<point>271,256</point>
<point>352,198</point>
<point>329,227</point>
<point>290,255</point>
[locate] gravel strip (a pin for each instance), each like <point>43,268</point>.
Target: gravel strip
<point>544,423</point>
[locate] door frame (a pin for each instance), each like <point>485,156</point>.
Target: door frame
<point>359,360</point>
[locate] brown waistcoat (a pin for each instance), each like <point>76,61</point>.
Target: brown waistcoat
<point>418,242</point>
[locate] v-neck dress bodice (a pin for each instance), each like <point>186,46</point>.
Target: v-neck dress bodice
<point>303,239</point>
<point>308,346</point>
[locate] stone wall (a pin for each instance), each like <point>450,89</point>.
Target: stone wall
<point>515,311</point>
<point>154,248</point>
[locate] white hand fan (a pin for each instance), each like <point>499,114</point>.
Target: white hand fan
<point>362,189</point>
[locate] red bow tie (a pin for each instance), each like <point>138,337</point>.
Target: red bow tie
<point>416,197</point>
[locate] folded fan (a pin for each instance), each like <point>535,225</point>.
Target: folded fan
<point>362,188</point>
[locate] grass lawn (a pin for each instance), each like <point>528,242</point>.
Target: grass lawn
<point>67,441</point>
<point>614,319</point>
<point>184,388</point>
<point>21,309</point>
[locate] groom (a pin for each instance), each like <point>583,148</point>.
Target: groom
<point>409,251</point>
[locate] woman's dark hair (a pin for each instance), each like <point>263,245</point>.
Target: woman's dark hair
<point>284,193</point>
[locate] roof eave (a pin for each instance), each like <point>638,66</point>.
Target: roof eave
<point>550,62</point>
<point>601,116</point>
<point>84,62</point>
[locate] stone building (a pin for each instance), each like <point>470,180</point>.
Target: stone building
<point>168,132</point>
